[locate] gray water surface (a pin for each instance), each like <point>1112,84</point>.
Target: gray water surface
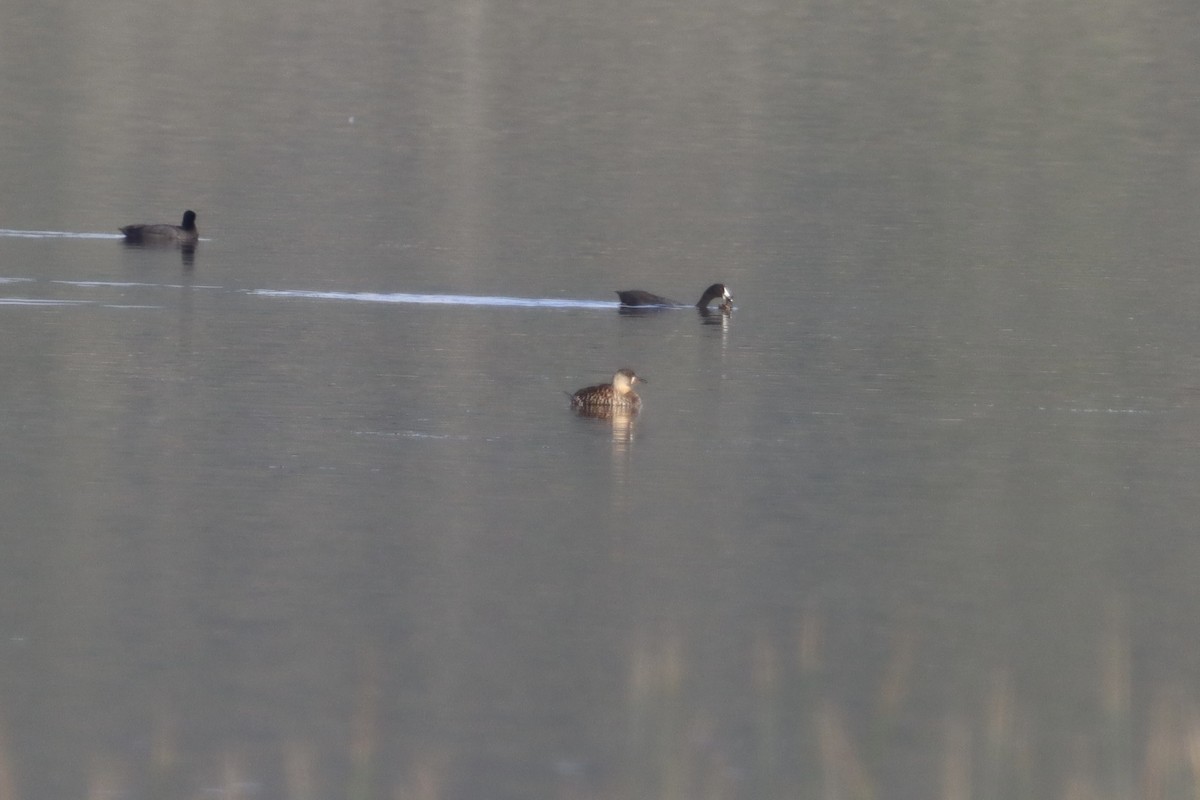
<point>305,513</point>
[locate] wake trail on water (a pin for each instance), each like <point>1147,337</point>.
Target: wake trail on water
<point>301,294</point>
<point>360,297</point>
<point>57,234</point>
<point>437,299</point>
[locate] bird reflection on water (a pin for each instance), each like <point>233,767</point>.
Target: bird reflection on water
<point>616,403</point>
<point>183,236</point>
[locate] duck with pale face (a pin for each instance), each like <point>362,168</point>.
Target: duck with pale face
<point>616,395</point>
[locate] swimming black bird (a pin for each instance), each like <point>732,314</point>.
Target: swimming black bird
<point>638,299</point>
<point>161,233</point>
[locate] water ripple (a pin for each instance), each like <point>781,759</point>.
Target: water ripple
<point>437,299</point>
<point>57,234</point>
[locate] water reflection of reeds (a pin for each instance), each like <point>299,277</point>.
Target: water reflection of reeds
<point>807,743</point>
<point>798,738</point>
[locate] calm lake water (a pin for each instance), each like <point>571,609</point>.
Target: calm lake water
<point>306,514</point>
